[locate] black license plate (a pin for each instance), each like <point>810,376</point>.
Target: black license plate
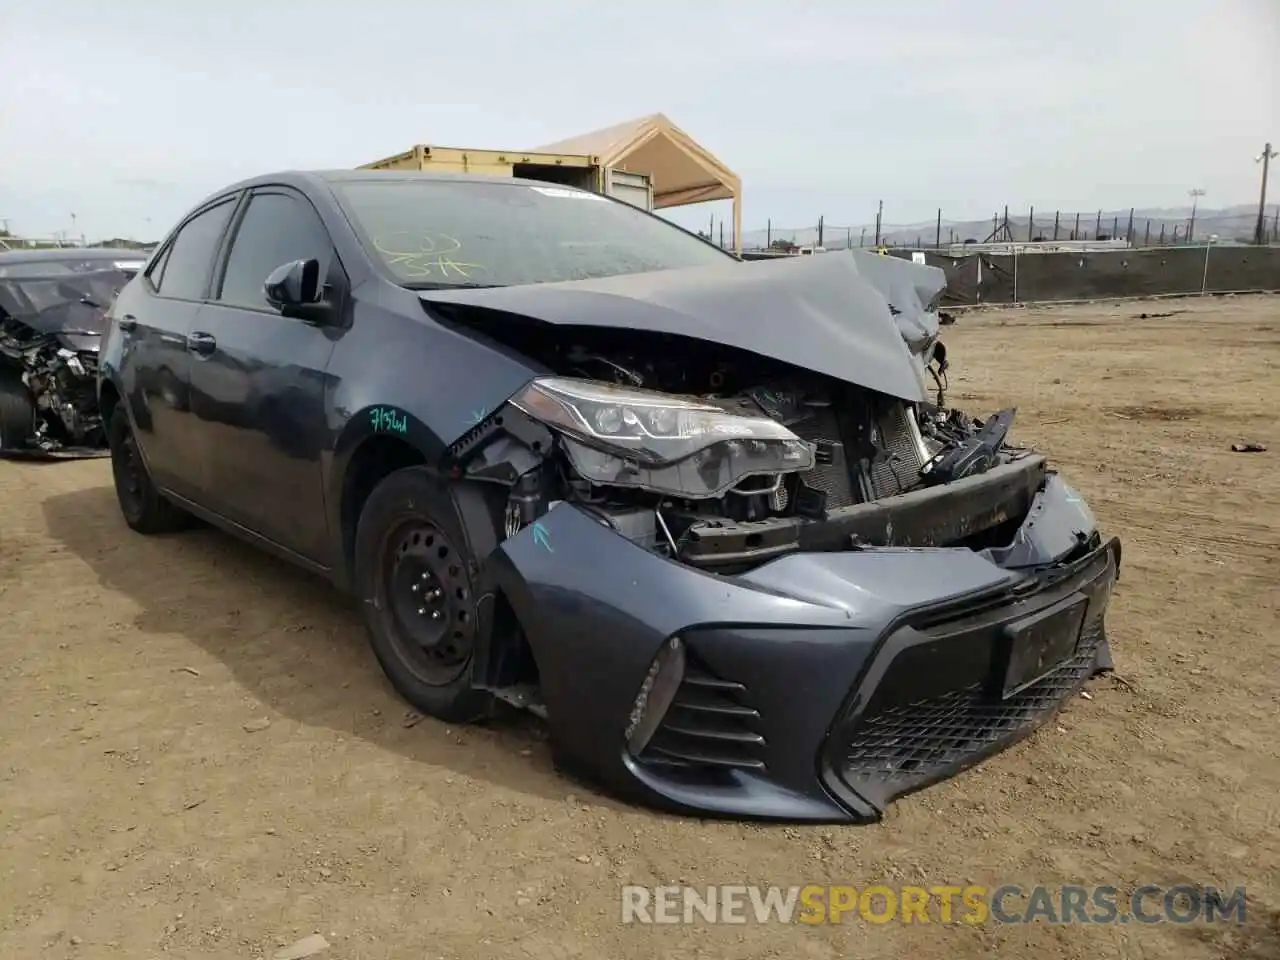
<point>1042,642</point>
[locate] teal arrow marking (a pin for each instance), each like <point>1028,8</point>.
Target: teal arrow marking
<point>542,538</point>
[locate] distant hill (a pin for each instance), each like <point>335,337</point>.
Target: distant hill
<point>1229,223</point>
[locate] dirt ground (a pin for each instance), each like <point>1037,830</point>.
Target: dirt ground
<point>200,758</point>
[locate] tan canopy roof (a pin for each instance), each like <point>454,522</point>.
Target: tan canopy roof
<point>681,171</point>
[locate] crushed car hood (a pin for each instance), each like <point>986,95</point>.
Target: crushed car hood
<point>74,304</point>
<point>829,314</point>
<point>913,291</point>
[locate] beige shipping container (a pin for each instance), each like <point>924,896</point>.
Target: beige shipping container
<point>567,169</point>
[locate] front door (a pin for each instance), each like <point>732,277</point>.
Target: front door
<point>258,380</point>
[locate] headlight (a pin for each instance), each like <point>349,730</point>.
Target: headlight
<point>622,436</point>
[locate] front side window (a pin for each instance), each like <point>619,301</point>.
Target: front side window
<point>190,257</point>
<point>442,233</point>
<point>277,228</point>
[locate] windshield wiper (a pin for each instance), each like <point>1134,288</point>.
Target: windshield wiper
<point>433,285</point>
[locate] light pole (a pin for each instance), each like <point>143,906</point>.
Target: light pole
<point>1195,194</point>
<point>1265,158</point>
<point>1204,280</point>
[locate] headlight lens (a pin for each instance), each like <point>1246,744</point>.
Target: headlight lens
<point>622,436</point>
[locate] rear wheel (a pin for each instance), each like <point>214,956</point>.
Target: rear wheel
<point>144,508</point>
<point>413,571</point>
<point>17,413</point>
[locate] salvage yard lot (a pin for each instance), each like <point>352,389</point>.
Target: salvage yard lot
<point>200,758</point>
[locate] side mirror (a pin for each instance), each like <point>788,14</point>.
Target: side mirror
<point>295,289</point>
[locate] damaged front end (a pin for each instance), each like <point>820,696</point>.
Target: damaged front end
<point>726,416</point>
<point>50,330</point>
<point>795,595</point>
<point>726,479</point>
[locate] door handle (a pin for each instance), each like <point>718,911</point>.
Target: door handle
<point>200,343</point>
<point>127,323</point>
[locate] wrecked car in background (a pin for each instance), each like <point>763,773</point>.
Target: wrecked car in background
<point>713,520</point>
<point>53,306</point>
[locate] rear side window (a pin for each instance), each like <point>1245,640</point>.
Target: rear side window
<point>277,228</point>
<point>186,266</point>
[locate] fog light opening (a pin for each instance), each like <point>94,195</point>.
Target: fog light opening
<point>656,694</point>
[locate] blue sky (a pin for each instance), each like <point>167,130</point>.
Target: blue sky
<point>126,113</point>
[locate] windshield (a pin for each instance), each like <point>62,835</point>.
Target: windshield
<point>69,303</point>
<point>443,233</point>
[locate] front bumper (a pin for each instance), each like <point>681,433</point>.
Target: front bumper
<point>818,686</point>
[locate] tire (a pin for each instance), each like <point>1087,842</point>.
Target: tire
<point>414,576</point>
<point>17,413</point>
<point>145,509</point>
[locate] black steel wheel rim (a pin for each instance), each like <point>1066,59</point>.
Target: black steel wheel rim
<point>426,593</point>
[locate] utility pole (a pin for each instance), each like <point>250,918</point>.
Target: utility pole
<point>937,233</point>
<point>879,214</point>
<point>819,230</point>
<point>1195,194</point>
<point>1265,158</point>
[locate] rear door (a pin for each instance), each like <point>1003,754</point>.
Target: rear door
<point>258,378</point>
<point>153,318</point>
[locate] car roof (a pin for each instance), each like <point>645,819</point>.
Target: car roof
<point>47,254</point>
<point>368,176</point>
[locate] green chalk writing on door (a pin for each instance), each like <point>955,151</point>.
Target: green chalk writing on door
<point>388,419</point>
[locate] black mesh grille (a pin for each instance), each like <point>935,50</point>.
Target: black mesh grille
<point>833,479</point>
<point>709,724</point>
<point>923,740</point>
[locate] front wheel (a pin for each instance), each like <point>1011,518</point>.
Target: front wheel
<point>413,573</point>
<point>143,506</point>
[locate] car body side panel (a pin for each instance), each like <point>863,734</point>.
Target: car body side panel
<point>396,372</point>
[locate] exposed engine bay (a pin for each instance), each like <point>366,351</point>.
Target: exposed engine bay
<point>860,448</point>
<point>50,328</point>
